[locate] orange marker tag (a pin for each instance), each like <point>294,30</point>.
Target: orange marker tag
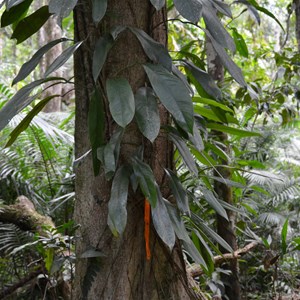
<point>147,229</point>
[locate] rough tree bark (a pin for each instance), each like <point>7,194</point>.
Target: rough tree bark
<point>297,26</point>
<point>224,228</point>
<point>123,272</point>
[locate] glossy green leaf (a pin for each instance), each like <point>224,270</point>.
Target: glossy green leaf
<point>177,222</point>
<point>26,121</point>
<point>109,154</point>
<point>121,100</point>
<point>184,152</point>
<point>214,203</point>
<point>61,8</point>
<point>217,30</point>
<point>31,24</point>
<point>189,9</point>
<point>146,180</point>
<point>228,63</point>
<point>284,232</point>
<point>173,94</point>
<point>29,66</point>
<point>96,126</point>
<point>158,4</point>
<point>102,48</point>
<point>99,10</point>
<point>62,59</point>
<point>212,103</point>
<point>146,113</point>
<point>206,112</point>
<point>20,100</point>
<point>193,252</point>
<point>231,130</point>
<point>15,13</point>
<point>240,43</point>
<point>162,222</point>
<point>205,80</point>
<point>117,212</point>
<point>178,192</point>
<point>154,50</point>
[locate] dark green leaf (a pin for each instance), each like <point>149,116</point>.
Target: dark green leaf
<point>26,121</point>
<point>15,13</point>
<point>228,63</point>
<point>229,182</point>
<point>20,100</point>
<point>205,80</point>
<point>214,203</point>
<point>61,8</point>
<point>222,8</point>
<point>121,100</point>
<point>62,58</point>
<point>146,180</point>
<point>193,252</point>
<point>31,24</point>
<point>102,48</point>
<point>99,10</point>
<point>189,9</point>
<point>240,43</point>
<point>154,50</point>
<point>184,152</point>
<point>196,139</point>
<point>96,125</point>
<point>217,30</point>
<point>162,222</point>
<point>178,192</point>
<point>29,66</point>
<point>109,154</point>
<point>177,222</point>
<point>117,212</point>
<point>173,94</point>
<point>146,113</point>
<point>231,130</point>
<point>158,4</point>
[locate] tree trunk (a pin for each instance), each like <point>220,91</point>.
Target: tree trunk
<point>123,272</point>
<point>297,26</point>
<point>224,228</point>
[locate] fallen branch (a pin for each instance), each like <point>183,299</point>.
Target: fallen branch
<point>195,270</point>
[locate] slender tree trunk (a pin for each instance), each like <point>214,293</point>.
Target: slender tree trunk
<point>297,26</point>
<point>123,272</point>
<point>224,228</point>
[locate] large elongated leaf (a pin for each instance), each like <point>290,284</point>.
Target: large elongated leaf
<point>15,13</point>
<point>146,180</point>
<point>189,9</point>
<point>178,192</point>
<point>102,48</point>
<point>109,154</point>
<point>96,121</point>
<point>240,43</point>
<point>162,222</point>
<point>146,113</point>
<point>117,212</point>
<point>26,121</point>
<point>31,24</point>
<point>29,66</point>
<point>61,8</point>
<point>158,4</point>
<point>154,50</point>
<point>99,10</point>
<point>121,100</point>
<point>205,80</point>
<point>62,58</point>
<point>228,63</point>
<point>232,130</point>
<point>214,203</point>
<point>212,103</point>
<point>222,8</point>
<point>20,100</point>
<point>173,94</point>
<point>184,152</point>
<point>284,232</point>
<point>12,3</point>
<point>217,30</point>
